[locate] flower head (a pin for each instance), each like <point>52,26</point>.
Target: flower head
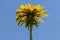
<point>30,14</point>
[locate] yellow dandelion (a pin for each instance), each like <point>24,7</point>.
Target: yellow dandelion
<point>30,15</point>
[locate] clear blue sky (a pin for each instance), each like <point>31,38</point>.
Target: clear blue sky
<point>49,30</point>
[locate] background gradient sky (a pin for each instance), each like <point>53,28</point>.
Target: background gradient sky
<point>49,30</point>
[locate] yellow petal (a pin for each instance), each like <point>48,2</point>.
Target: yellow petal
<point>21,14</point>
<point>26,7</point>
<point>41,20</point>
<point>24,18</point>
<point>42,11</point>
<point>44,15</point>
<point>32,7</point>
<point>37,7</point>
<point>38,13</point>
<point>29,5</point>
<point>16,16</point>
<point>18,10</point>
<point>17,19</point>
<point>42,7</point>
<point>22,7</point>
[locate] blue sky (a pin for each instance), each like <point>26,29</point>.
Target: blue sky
<point>49,30</point>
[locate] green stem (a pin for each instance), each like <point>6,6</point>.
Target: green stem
<point>31,33</point>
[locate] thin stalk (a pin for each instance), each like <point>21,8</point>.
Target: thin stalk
<point>31,33</point>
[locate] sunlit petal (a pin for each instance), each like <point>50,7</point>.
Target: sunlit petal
<point>22,7</point>
<point>44,15</point>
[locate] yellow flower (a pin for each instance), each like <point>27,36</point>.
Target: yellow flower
<point>30,15</point>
